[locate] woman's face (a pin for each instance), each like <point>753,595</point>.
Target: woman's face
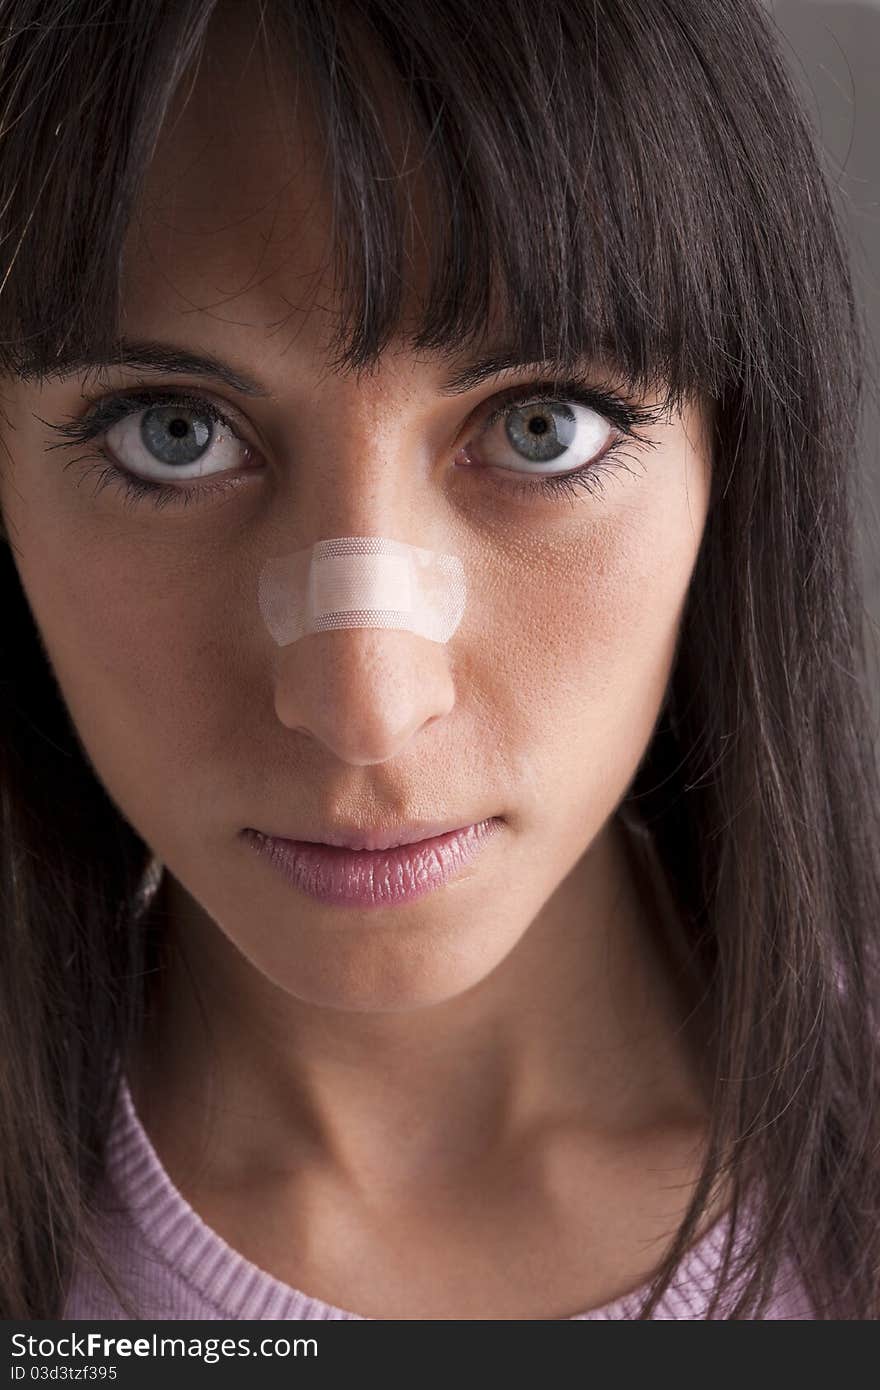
<point>539,708</point>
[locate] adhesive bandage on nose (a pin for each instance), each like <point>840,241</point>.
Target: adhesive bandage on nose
<point>362,581</point>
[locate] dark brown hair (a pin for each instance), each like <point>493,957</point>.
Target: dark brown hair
<point>636,178</point>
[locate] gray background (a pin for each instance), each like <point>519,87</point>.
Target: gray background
<point>833,52</point>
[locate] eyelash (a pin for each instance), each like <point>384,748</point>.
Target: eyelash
<point>587,478</point>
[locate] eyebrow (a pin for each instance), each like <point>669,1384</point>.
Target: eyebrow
<point>145,355</point>
<point>148,355</point>
<point>484,368</point>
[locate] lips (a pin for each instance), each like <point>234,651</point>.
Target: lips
<point>343,877</point>
<point>410,832</point>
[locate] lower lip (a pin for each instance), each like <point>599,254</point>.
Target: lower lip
<point>374,878</point>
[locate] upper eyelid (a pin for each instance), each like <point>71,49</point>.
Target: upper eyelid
<point>74,426</point>
<point>537,392</point>
<point>611,407</point>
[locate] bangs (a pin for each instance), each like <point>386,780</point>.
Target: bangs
<point>590,169</point>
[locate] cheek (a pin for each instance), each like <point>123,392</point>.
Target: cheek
<point>149,684</point>
<point>588,655</point>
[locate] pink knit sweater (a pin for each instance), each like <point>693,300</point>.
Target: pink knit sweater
<point>174,1266</point>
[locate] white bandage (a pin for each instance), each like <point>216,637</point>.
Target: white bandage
<point>362,581</point>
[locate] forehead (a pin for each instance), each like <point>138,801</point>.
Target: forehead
<point>274,222</point>
<point>234,225</point>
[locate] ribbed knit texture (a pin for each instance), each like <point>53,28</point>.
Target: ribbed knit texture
<point>172,1265</point>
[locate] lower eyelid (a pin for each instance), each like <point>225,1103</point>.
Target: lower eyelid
<point>521,481</point>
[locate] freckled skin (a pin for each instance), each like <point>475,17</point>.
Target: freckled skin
<point>405,1048</point>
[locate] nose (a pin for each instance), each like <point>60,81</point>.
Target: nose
<point>364,693</point>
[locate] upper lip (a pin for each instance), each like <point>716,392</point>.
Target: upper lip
<point>344,837</point>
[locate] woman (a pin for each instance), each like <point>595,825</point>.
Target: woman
<point>542,294</point>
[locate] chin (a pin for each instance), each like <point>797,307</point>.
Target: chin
<point>374,971</point>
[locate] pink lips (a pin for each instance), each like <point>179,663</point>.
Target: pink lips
<point>374,878</point>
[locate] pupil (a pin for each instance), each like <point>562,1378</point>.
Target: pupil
<point>537,425</point>
<point>178,427</point>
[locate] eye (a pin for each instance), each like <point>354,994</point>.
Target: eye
<point>179,440</point>
<point>560,437</point>
<point>153,443</point>
<point>545,436</point>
